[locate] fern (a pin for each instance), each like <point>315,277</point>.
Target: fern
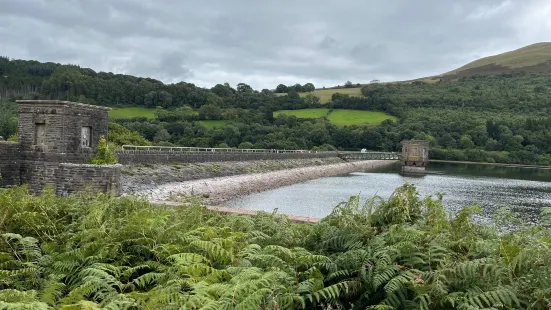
<point>99,252</point>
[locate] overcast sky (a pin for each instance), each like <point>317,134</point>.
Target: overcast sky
<point>264,43</point>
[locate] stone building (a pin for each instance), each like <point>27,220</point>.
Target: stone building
<point>57,140</point>
<point>415,155</point>
<point>61,127</point>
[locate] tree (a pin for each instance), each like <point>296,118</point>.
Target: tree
<point>281,88</point>
<point>244,88</point>
<point>158,99</point>
<point>232,135</point>
<point>223,90</point>
<point>448,141</point>
<point>308,87</point>
<point>161,135</point>
<point>210,112</point>
<point>120,135</point>
<point>348,84</point>
<point>465,142</point>
<point>298,88</point>
<point>311,101</point>
<point>245,145</point>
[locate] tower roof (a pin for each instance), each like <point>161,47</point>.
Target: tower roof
<point>61,102</point>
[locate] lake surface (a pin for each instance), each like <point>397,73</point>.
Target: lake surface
<point>524,190</point>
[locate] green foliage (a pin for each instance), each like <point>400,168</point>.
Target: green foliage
<point>100,252</point>
<point>105,155</point>
<point>245,145</point>
<point>13,138</point>
<point>8,119</point>
<point>120,135</point>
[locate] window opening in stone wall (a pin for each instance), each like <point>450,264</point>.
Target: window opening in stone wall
<point>86,137</point>
<point>415,151</point>
<point>39,134</point>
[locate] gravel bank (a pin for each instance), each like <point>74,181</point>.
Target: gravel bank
<point>140,178</point>
<point>221,189</point>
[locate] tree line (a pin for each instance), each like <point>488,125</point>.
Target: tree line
<point>308,87</point>
<point>501,118</point>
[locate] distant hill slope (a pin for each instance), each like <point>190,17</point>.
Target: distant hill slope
<point>535,58</point>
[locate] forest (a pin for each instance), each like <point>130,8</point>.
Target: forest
<point>503,118</point>
<point>100,252</point>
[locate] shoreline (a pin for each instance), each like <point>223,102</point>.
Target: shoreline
<point>221,189</point>
<point>489,164</point>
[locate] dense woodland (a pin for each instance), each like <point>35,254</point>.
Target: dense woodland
<point>501,118</point>
<point>98,252</point>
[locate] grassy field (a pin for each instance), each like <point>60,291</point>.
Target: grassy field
<point>132,112</point>
<point>304,113</point>
<point>341,117</point>
<point>325,94</point>
<point>356,117</point>
<point>212,124</point>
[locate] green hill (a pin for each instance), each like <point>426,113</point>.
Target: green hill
<point>535,58</point>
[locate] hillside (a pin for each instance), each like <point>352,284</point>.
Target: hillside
<point>494,118</point>
<point>535,58</point>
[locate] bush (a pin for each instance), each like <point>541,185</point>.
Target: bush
<point>14,138</point>
<point>105,155</point>
<point>245,145</point>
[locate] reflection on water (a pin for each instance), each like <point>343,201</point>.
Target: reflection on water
<point>524,190</point>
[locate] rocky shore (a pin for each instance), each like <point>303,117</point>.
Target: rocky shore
<point>220,189</point>
<point>139,178</point>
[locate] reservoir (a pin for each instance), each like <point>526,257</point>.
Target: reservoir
<point>523,190</point>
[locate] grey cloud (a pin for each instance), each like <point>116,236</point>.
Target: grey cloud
<point>328,43</point>
<point>265,43</point>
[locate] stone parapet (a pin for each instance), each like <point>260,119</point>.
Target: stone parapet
<point>129,157</point>
<point>74,178</point>
<point>10,164</point>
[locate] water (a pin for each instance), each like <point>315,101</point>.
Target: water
<point>524,190</point>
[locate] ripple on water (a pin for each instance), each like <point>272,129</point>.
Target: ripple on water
<point>317,198</point>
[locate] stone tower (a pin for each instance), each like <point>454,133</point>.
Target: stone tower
<point>57,140</point>
<point>415,156</point>
<point>61,127</point>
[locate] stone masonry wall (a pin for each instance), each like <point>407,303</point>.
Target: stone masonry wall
<point>73,178</point>
<point>38,174</point>
<point>10,164</point>
<point>63,124</point>
<point>128,157</point>
<point>78,117</point>
<point>50,115</point>
<point>69,178</point>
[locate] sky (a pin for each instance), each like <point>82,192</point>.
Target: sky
<point>265,43</point>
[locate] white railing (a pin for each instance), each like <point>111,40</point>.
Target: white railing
<point>208,149</point>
